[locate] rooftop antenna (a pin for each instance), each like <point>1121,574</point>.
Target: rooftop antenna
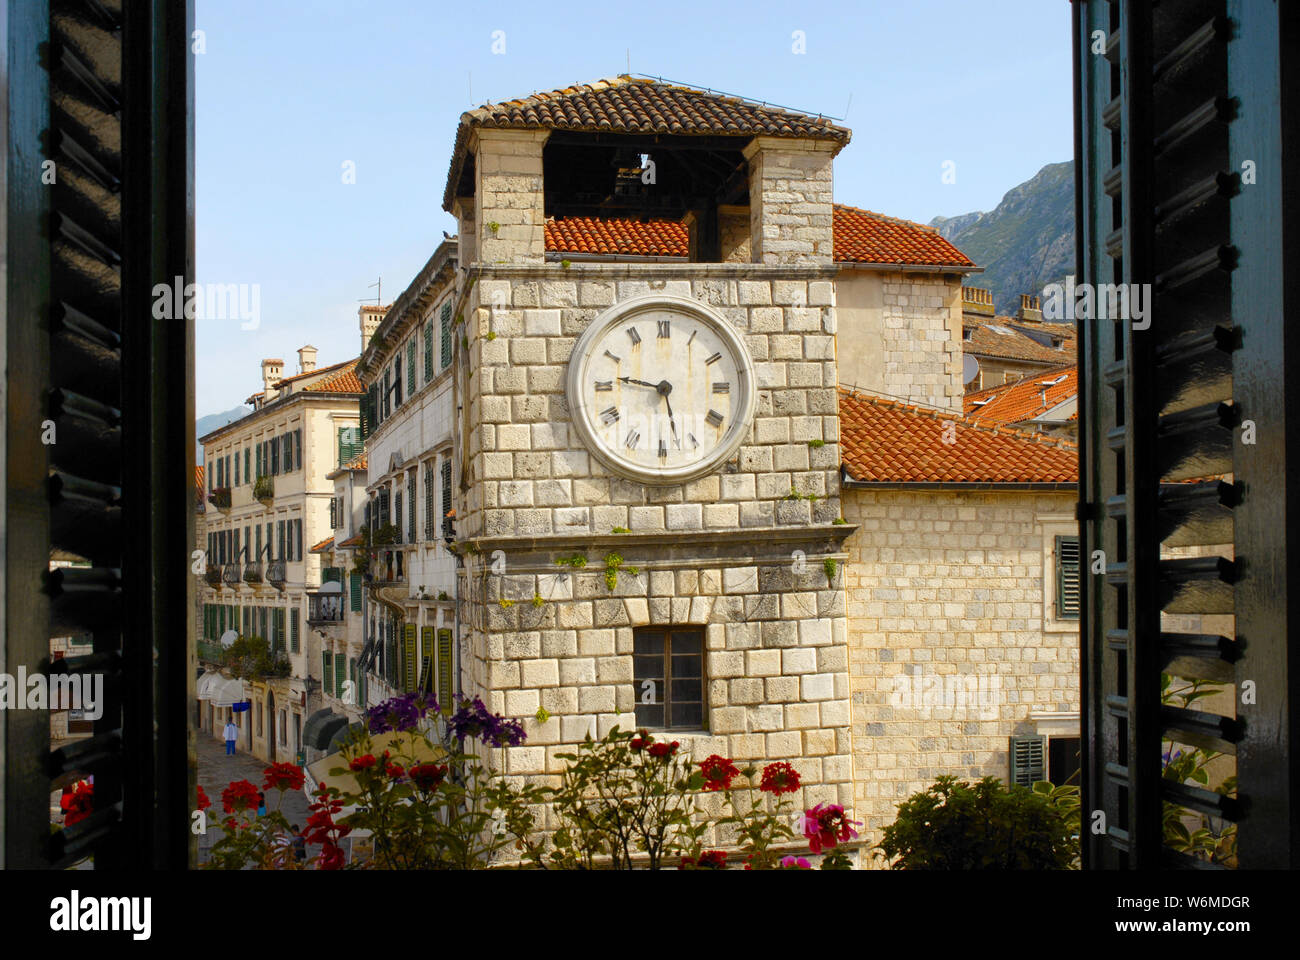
<point>629,60</point>
<point>379,294</point>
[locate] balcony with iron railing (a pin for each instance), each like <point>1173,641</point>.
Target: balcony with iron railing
<point>253,573</point>
<point>213,575</point>
<point>264,489</point>
<point>275,574</point>
<point>220,498</point>
<point>324,608</point>
<point>230,574</point>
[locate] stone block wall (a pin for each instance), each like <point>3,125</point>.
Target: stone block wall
<point>790,200</point>
<point>508,196</point>
<point>948,652</point>
<point>528,471</point>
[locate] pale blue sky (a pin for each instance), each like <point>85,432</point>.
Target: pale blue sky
<point>289,91</point>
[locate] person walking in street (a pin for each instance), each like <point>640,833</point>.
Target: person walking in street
<point>232,734</point>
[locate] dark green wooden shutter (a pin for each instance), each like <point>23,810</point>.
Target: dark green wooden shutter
<point>444,668</point>
<point>1027,760</point>
<point>428,351</point>
<point>410,506</point>
<point>430,528</point>
<point>295,622</point>
<point>1067,578</point>
<point>408,658</point>
<point>340,674</point>
<point>445,322</point>
<point>446,494</point>
<point>355,591</point>
<point>326,670</point>
<point>410,367</point>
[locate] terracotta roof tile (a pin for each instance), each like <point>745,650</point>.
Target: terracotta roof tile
<point>350,542</point>
<point>1000,338</point>
<point>198,476</point>
<point>658,238</point>
<point>865,237</point>
<point>1024,399</point>
<point>324,545</point>
<point>313,373</point>
<point>885,441</point>
<point>343,382</point>
<point>635,105</point>
<point>860,237</point>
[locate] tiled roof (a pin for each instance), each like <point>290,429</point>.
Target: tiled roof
<point>358,462</point>
<point>658,238</point>
<point>633,105</point>
<point>885,441</point>
<point>860,237</point>
<point>865,237</point>
<point>353,541</point>
<point>313,373</point>
<point>198,476</point>
<point>324,545</point>
<point>999,338</point>
<point>1024,399</point>
<point>343,382</point>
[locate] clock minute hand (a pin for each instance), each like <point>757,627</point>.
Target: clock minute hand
<point>638,382</point>
<point>671,422</point>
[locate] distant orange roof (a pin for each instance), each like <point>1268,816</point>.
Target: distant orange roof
<point>324,545</point>
<point>1024,399</point>
<point>359,462</point>
<point>1000,337</point>
<point>319,371</point>
<point>354,541</point>
<point>344,382</point>
<point>886,441</point>
<point>198,476</point>
<point>865,237</point>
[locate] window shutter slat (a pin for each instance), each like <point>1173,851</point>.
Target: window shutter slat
<point>1027,758</point>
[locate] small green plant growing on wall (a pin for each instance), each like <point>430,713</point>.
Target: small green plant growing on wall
<point>491,335</point>
<point>612,562</point>
<point>829,566</point>
<point>816,443</point>
<point>839,521</point>
<point>493,226</point>
<point>565,264</point>
<point>577,561</point>
<point>538,599</point>
<point>620,530</point>
<point>505,604</point>
<point>442,595</point>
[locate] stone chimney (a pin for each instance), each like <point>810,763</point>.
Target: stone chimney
<point>977,301</point>
<point>306,359</point>
<point>272,373</point>
<point>1030,308</point>
<point>371,316</point>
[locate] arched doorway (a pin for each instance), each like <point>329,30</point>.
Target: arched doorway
<point>270,726</point>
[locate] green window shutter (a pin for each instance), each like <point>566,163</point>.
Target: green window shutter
<point>410,367</point>
<point>444,668</point>
<point>340,674</point>
<point>445,322</point>
<point>408,658</point>
<point>446,493</point>
<point>428,351</point>
<point>1067,578</point>
<point>295,624</point>
<point>326,669</point>
<point>410,506</point>
<point>430,529</point>
<point>355,591</point>
<point>1027,760</point>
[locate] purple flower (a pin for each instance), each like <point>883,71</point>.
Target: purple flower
<point>401,713</point>
<point>474,720</point>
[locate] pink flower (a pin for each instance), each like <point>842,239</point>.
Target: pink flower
<point>795,863</point>
<point>825,826</point>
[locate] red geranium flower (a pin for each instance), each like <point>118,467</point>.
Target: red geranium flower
<point>718,772</point>
<point>79,804</point>
<point>709,860</point>
<point>240,795</point>
<point>331,857</point>
<point>427,776</point>
<point>641,740</point>
<point>779,778</point>
<point>204,802</point>
<point>825,825</point>
<point>362,763</point>
<point>283,776</point>
<point>663,750</point>
<point>394,771</point>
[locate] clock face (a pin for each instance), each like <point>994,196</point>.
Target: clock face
<point>661,389</point>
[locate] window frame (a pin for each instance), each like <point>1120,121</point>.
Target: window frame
<point>666,700</point>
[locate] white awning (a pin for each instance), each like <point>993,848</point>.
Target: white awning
<point>221,690</point>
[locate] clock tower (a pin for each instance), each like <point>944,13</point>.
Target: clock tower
<point>648,502</point>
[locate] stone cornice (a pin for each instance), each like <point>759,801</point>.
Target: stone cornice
<point>641,271</point>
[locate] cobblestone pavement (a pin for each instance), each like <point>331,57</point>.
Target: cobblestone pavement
<point>216,771</point>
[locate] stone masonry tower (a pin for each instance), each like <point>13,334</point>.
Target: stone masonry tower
<point>648,470</point>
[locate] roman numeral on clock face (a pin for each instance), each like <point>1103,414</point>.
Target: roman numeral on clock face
<point>692,339</point>
<point>714,418</point>
<point>665,329</point>
<point>713,359</point>
<point>694,442</point>
<point>604,384</point>
<point>613,357</point>
<point>636,337</point>
<point>632,439</point>
<point>663,450</point>
<point>723,387</point>
<point>609,416</point>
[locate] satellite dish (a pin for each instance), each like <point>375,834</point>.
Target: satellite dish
<point>970,369</point>
<point>228,638</point>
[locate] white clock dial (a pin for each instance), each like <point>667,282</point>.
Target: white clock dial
<point>661,389</point>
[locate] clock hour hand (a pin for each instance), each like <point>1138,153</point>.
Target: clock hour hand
<point>641,383</point>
